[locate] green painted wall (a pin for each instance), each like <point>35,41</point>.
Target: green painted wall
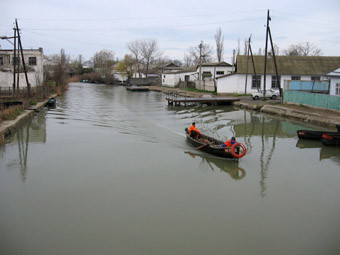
<point>319,100</point>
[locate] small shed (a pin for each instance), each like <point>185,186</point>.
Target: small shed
<point>334,87</point>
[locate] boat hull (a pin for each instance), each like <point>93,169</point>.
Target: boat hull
<point>312,135</point>
<point>210,148</point>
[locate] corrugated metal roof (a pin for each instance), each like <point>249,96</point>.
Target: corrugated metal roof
<point>216,64</point>
<point>289,65</point>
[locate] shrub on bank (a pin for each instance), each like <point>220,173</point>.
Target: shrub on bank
<point>11,113</point>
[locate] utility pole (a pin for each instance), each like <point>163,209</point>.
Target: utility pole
<point>252,60</point>
<point>245,86</point>
<point>265,57</point>
<point>276,71</point>
<point>23,59</point>
<point>14,60</point>
<point>233,60</point>
<point>200,63</point>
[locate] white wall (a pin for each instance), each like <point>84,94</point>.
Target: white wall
<point>235,83</point>
<point>334,81</point>
<point>35,73</point>
<point>214,69</point>
<point>172,79</point>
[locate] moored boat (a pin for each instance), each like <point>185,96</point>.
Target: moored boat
<point>51,102</point>
<point>330,139</point>
<point>314,134</point>
<point>212,146</point>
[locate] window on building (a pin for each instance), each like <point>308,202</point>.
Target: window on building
<point>1,61</point>
<point>275,84</point>
<point>256,81</point>
<point>337,89</point>
<point>315,78</point>
<point>15,61</point>
<point>32,61</point>
<point>220,72</point>
<point>164,76</point>
<point>296,78</point>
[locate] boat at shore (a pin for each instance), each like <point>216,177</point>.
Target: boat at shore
<point>212,146</point>
<point>326,137</point>
<point>51,103</point>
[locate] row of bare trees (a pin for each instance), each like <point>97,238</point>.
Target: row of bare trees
<point>144,52</point>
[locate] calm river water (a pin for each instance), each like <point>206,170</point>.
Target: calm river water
<point>109,171</point>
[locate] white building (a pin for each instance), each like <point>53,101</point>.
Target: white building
<point>34,66</point>
<point>305,68</point>
<point>334,88</point>
<point>173,78</point>
<point>209,72</point>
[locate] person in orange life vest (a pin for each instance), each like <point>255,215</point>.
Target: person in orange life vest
<point>193,131</point>
<point>228,143</point>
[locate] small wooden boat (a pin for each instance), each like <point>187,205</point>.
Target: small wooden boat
<point>51,103</point>
<point>315,135</point>
<point>330,139</point>
<point>211,145</point>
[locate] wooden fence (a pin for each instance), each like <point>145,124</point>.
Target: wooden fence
<point>39,92</point>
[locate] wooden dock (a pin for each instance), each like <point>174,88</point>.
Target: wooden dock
<point>137,88</point>
<point>180,100</point>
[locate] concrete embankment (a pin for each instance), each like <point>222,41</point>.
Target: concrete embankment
<point>307,114</point>
<point>8,127</point>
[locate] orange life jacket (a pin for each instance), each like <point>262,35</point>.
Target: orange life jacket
<point>192,127</point>
<point>229,143</point>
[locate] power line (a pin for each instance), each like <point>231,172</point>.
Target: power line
<point>139,28</point>
<point>136,18</point>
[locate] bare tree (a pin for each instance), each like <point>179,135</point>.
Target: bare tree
<point>219,38</point>
<point>104,60</point>
<point>135,49</point>
<point>60,68</point>
<point>150,51</point>
<point>276,50</point>
<point>245,49</point>
<point>187,60</point>
<point>205,53</point>
<point>302,49</point>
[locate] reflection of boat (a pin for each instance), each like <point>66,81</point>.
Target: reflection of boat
<point>227,166</point>
<point>314,134</point>
<point>51,102</point>
<point>211,145</point>
<point>325,151</point>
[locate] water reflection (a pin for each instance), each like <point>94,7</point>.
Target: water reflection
<point>326,152</point>
<point>228,166</point>
<point>32,131</point>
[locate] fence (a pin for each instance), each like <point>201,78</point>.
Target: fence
<point>311,86</point>
<point>312,99</point>
<point>38,92</point>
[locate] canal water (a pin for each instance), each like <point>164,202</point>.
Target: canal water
<point>109,171</point>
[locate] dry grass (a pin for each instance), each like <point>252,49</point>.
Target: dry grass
<point>11,113</point>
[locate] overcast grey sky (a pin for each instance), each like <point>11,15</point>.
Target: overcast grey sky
<point>85,27</point>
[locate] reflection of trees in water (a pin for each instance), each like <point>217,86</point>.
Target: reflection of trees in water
<point>224,165</point>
